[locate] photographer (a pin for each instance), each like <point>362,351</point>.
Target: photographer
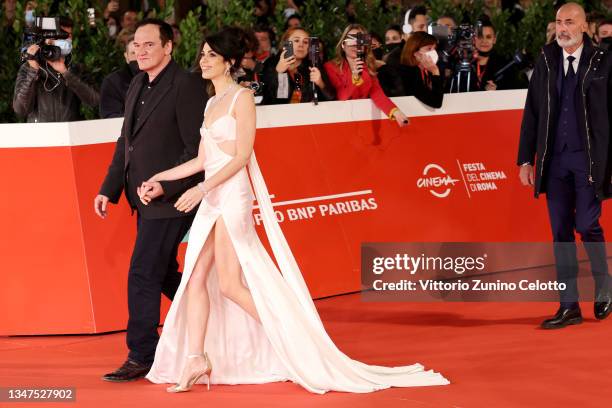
<point>289,77</point>
<point>50,90</point>
<point>487,63</point>
<point>353,73</point>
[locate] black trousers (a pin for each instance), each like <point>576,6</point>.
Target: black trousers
<point>573,206</point>
<point>153,271</point>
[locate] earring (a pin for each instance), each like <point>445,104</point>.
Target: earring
<point>227,71</point>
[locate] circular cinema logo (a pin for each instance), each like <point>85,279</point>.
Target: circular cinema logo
<point>436,180</point>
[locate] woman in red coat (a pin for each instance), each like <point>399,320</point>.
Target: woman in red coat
<point>354,78</point>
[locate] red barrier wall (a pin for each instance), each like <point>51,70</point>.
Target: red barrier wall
<point>339,176</point>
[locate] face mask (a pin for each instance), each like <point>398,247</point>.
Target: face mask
<point>433,54</point>
<point>134,67</point>
<point>112,30</point>
<point>29,17</point>
<point>64,45</point>
<point>378,53</point>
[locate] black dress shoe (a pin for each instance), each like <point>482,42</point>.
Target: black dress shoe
<point>130,370</point>
<point>563,317</point>
<point>603,307</point>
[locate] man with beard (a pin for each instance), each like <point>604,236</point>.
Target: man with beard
<point>566,134</point>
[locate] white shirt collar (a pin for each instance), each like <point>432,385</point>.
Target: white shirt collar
<point>576,54</point>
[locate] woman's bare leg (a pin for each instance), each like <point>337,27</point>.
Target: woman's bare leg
<point>197,305</point>
<point>230,272</point>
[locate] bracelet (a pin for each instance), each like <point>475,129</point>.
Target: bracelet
<point>201,187</point>
<point>392,112</point>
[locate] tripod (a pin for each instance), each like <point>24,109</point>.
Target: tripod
<point>463,75</point>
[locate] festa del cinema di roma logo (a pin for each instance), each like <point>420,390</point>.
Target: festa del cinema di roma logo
<point>437,180</point>
<point>477,178</point>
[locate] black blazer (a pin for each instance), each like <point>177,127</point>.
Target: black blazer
<point>167,135</point>
<point>406,80</point>
<point>594,107</point>
<point>113,91</point>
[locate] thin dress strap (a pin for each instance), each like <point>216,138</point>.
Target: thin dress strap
<point>231,108</point>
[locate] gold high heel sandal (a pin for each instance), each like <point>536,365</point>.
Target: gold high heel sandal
<point>195,377</point>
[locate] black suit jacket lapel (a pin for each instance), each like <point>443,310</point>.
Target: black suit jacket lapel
<point>158,93</point>
<point>130,103</point>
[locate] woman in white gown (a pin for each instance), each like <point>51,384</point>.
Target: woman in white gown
<point>257,324</point>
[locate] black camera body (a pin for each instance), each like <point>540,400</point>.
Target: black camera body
<point>44,28</point>
<point>362,41</point>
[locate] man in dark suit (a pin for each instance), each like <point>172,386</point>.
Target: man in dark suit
<point>566,134</point>
<point>164,111</point>
<point>116,84</point>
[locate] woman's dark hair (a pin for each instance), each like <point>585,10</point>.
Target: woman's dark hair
<point>231,43</point>
<point>414,43</point>
<point>294,15</point>
<point>394,27</point>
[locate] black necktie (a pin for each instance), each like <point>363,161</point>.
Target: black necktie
<point>570,69</point>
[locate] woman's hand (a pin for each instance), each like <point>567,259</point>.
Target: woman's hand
<point>284,63</point>
<point>401,119</point>
<point>149,190</point>
<point>491,86</point>
<point>357,68</point>
<point>316,78</point>
<point>427,63</point>
<point>190,199</point>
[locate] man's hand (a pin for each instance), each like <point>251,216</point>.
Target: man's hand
<point>526,175</point>
<point>58,65</point>
<point>491,86</point>
<point>32,50</point>
<point>100,203</point>
<point>149,190</point>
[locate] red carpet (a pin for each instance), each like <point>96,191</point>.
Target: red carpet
<point>493,354</point>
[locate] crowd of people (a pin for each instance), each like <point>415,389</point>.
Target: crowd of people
<point>417,57</point>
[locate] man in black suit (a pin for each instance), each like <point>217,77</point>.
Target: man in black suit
<point>116,84</point>
<point>566,133</point>
<point>164,111</point>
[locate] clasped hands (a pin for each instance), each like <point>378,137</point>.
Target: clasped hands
<point>151,189</point>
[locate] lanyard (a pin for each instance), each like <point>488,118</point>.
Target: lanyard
<point>426,77</point>
<point>479,74</point>
<point>298,80</point>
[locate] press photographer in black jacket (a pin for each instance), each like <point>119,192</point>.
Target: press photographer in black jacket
<point>54,91</point>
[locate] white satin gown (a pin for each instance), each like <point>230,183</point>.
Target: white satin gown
<point>291,342</point>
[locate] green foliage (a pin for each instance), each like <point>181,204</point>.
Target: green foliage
<point>532,28</point>
<point>325,20</point>
<point>191,37</point>
<point>506,44</point>
<point>221,13</point>
<point>370,14</point>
